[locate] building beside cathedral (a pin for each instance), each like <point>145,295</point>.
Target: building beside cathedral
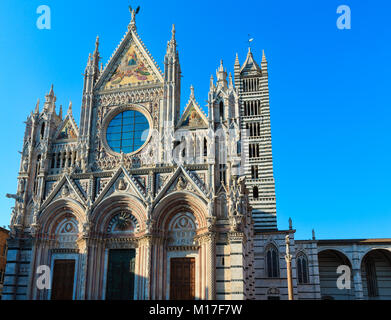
<point>141,201</point>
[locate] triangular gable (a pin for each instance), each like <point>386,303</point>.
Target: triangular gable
<point>67,130</point>
<point>130,65</point>
<point>176,183</point>
<point>127,185</point>
<point>65,188</point>
<point>193,117</point>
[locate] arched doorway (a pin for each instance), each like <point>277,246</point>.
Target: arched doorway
<point>376,275</point>
<point>57,247</point>
<point>182,230</point>
<point>329,260</point>
<point>180,257</point>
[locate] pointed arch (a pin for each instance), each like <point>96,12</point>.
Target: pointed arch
<point>302,268</point>
<point>272,265</point>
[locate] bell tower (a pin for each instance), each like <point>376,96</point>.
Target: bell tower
<point>251,82</point>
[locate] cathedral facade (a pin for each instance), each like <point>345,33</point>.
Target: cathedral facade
<point>141,201</point>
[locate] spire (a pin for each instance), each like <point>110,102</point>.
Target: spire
<point>173,32</point>
<point>51,93</point>
<point>60,112</point>
<point>250,64</point>
<point>96,58</point>
<point>313,234</point>
<point>263,56</point>
<point>70,108</point>
<point>191,92</point>
<point>171,45</point>
<point>264,62</point>
<point>89,59</point>
<point>221,68</point>
<point>96,51</point>
<point>237,60</point>
<point>230,83</point>
<point>97,43</point>
<point>50,99</point>
<point>211,82</point>
<point>221,75</point>
<point>37,107</point>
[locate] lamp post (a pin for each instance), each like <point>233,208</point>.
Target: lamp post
<point>288,259</point>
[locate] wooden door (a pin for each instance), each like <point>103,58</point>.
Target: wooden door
<point>120,275</point>
<point>63,278</point>
<point>182,278</point>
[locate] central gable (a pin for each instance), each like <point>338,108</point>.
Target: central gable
<point>130,65</point>
<point>132,69</point>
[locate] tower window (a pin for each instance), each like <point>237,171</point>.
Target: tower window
<point>205,147</point>
<point>254,172</point>
<point>53,160</point>
<point>222,110</point>
<point>223,171</point>
<point>42,130</point>
<point>255,193</point>
<point>254,150</point>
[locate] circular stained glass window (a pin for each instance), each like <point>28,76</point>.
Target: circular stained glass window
<point>127,131</point>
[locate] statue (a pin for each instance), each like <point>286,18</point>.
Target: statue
<point>133,13</point>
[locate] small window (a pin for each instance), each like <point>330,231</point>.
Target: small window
<point>254,172</point>
<point>222,110</point>
<point>272,266</point>
<point>205,147</point>
<point>42,130</point>
<point>302,269</point>
<point>255,193</point>
<point>223,173</point>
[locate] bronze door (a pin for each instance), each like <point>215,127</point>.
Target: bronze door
<point>182,279</point>
<point>63,278</point>
<point>120,275</point>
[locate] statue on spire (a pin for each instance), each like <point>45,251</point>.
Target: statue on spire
<point>133,13</point>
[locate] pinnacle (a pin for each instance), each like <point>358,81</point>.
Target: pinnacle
<point>37,107</point>
<point>221,68</point>
<point>173,32</point>
<point>237,60</point>
<point>51,93</point>
<point>263,56</point>
<point>70,108</point>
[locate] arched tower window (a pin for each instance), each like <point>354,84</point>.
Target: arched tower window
<point>255,193</point>
<point>302,268</point>
<point>205,147</point>
<point>254,172</point>
<point>222,110</point>
<point>42,130</point>
<point>272,265</point>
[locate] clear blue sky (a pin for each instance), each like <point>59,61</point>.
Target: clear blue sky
<point>329,90</point>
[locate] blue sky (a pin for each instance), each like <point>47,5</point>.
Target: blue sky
<point>329,90</point>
